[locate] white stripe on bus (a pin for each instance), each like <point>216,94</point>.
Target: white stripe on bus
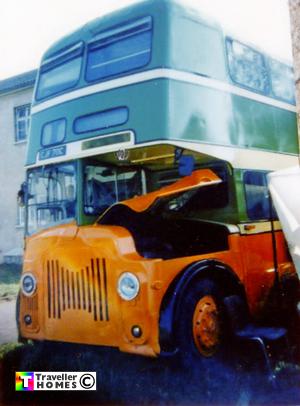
<point>259,227</point>
<point>161,74</point>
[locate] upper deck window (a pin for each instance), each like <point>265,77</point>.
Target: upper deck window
<point>282,80</point>
<point>60,72</point>
<point>120,50</point>
<point>247,66</point>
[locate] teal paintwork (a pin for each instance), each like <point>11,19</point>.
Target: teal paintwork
<point>168,109</point>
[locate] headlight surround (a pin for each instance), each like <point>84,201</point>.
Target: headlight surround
<point>28,284</point>
<point>128,286</point>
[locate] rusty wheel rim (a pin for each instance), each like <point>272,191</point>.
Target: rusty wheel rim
<point>206,326</point>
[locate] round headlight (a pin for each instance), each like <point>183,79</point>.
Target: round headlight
<point>128,286</point>
<point>28,284</point>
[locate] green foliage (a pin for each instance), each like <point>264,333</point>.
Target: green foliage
<point>7,290</point>
<point>6,348</point>
<point>9,280</point>
<point>10,273</point>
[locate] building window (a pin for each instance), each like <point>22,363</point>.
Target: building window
<point>22,122</point>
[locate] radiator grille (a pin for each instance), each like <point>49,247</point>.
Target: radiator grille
<point>85,289</point>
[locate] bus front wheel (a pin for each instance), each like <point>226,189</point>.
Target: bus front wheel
<point>201,326</point>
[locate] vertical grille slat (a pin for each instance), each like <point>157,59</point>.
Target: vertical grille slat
<point>89,289</point>
<point>99,288</point>
<point>105,288</point>
<point>78,291</point>
<point>68,289</point>
<point>53,291</point>
<point>58,289</point>
<point>73,291</point>
<point>63,288</point>
<point>49,289</point>
<point>94,289</point>
<point>84,289</point>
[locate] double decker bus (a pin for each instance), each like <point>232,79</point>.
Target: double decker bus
<point>147,209</point>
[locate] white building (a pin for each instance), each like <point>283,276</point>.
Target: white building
<point>15,100</point>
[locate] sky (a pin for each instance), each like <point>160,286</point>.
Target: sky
<point>28,28</point>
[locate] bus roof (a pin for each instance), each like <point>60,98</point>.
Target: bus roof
<point>136,10</point>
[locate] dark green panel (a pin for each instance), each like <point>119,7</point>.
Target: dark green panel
<point>207,115</point>
<point>240,195</point>
<point>261,126</point>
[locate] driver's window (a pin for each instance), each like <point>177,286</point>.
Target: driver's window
<point>100,189</point>
<point>104,186</point>
<point>51,195</point>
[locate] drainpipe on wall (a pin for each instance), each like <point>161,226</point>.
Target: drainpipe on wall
<point>294,6</point>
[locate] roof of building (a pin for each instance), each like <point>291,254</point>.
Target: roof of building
<point>22,81</point>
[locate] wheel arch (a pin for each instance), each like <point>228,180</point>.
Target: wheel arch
<point>215,270</point>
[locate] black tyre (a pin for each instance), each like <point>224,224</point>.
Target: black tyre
<point>20,338</point>
<point>201,325</point>
<point>207,356</point>
<point>18,317</point>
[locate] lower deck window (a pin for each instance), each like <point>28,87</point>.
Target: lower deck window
<point>51,196</point>
<point>258,203</point>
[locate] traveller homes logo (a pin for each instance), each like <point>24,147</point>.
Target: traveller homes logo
<point>36,381</point>
<point>24,381</point>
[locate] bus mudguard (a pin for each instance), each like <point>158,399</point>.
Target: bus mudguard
<point>215,270</point>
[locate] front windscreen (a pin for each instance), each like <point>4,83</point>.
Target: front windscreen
<point>51,196</point>
<point>104,186</point>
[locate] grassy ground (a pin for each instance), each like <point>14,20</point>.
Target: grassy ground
<point>124,379</point>
<point>9,280</point>
<point>7,348</point>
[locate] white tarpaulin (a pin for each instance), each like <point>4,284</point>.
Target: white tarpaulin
<point>284,186</point>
